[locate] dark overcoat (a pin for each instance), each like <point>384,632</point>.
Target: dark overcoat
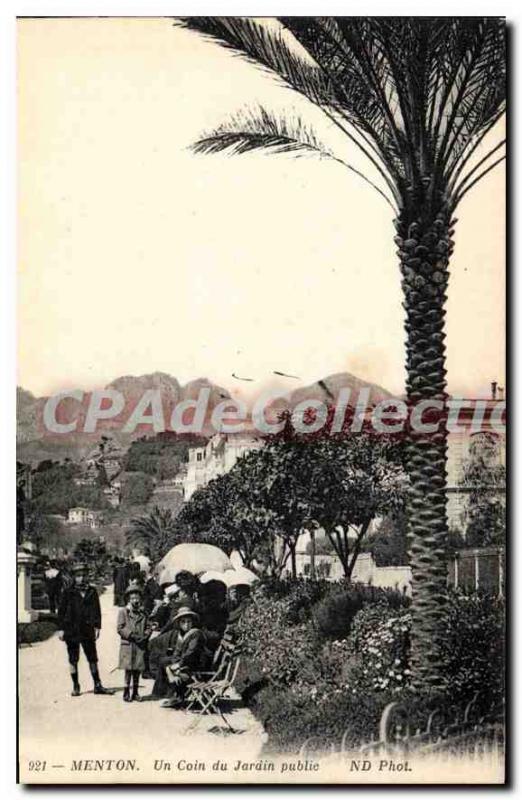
<point>121,580</point>
<point>79,615</point>
<point>134,630</point>
<point>151,592</point>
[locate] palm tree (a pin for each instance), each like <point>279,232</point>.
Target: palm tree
<point>417,96</point>
<point>153,533</point>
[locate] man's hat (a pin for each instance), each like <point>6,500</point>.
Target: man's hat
<point>133,588</point>
<point>80,569</point>
<point>186,612</point>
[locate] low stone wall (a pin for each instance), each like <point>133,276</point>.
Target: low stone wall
<point>365,571</point>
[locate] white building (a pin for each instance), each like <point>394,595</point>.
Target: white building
<point>217,457</point>
<point>85,516</point>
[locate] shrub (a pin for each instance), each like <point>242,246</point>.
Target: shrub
<point>334,616</point>
<point>292,720</point>
<point>473,647</point>
<point>302,597</point>
<point>276,650</point>
<point>377,650</point>
<point>38,631</point>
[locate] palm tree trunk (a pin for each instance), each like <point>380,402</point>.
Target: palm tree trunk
<point>424,250</point>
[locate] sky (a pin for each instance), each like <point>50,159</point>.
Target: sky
<point>137,255</point>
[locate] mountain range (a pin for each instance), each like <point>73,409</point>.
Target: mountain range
<point>35,444</point>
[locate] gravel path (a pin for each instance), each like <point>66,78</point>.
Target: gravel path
<point>69,734</point>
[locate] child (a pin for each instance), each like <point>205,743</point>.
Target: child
<point>188,655</point>
<point>134,631</point>
<point>79,618</point>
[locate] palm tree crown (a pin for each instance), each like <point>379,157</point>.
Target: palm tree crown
<point>416,95</point>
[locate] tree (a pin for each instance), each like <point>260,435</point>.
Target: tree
<point>46,532</point>
<point>339,481</point>
<point>162,455</point>
<point>137,489</point>
<point>417,96</point>
<point>484,478</point>
<point>233,512</point>
<point>154,534</point>
<point>92,552</point>
<point>388,544</point>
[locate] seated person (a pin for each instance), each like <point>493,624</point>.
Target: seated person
<point>160,619</point>
<point>187,655</point>
<point>212,610</point>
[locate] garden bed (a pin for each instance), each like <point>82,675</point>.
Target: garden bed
<point>323,659</point>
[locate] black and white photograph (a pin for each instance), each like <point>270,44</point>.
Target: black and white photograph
<point>261,399</point>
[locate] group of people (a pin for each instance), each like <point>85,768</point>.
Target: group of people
<point>166,632</point>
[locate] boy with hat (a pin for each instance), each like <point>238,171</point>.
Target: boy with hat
<point>188,655</point>
<point>134,631</point>
<point>79,618</point>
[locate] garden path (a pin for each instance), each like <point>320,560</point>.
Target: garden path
<point>60,729</point>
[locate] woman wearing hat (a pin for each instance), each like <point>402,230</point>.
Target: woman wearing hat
<point>187,656</point>
<point>134,631</point>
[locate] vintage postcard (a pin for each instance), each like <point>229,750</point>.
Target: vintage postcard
<point>261,470</point>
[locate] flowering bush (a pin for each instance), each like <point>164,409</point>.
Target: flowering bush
<point>302,682</point>
<point>284,627</point>
<point>378,650</point>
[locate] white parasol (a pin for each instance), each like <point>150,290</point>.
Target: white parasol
<point>194,557</point>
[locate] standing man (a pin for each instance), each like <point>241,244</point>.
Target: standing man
<point>80,622</point>
<point>51,585</point>
<point>121,579</point>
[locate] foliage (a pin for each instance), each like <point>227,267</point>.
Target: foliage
<point>378,649</point>
<point>43,530</point>
<point>161,456</point>
<point>292,721</point>
<point>37,631</point>
<point>324,659</point>
<point>230,513</point>
<point>485,479</point>
<point>335,614</point>
<point>473,650</point>
<point>54,490</point>
<point>420,93</point>
<point>285,626</point>
<point>276,649</point>
<point>92,552</point>
<point>456,540</point>
<point>154,534</point>
<point>261,506</point>
<point>388,545</point>
<point>136,489</point>
<point>341,480</point>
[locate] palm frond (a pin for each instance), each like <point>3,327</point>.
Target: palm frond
<point>266,46</point>
<point>259,129</point>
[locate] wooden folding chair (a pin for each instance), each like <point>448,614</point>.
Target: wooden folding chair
<point>208,688</point>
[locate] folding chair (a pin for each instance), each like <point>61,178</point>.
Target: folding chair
<point>208,688</point>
